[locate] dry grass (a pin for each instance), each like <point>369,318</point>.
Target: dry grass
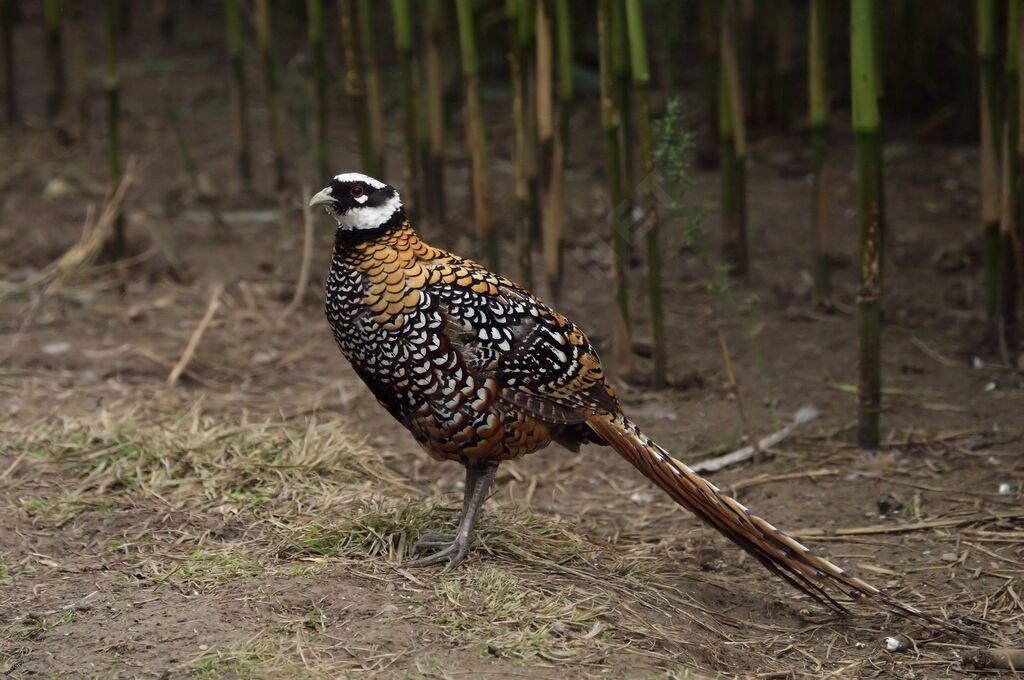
<point>230,497</point>
<point>264,503</point>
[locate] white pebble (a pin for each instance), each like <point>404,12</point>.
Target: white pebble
<point>898,643</point>
<point>56,347</point>
<point>641,497</point>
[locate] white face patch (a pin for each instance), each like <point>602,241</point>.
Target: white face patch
<point>359,177</point>
<point>370,217</point>
<point>362,199</point>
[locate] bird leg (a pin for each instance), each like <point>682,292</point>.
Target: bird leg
<point>453,549</point>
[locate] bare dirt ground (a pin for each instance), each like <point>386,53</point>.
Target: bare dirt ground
<point>248,522</point>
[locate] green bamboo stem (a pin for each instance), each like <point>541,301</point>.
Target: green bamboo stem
<point>355,86</point>
<point>709,23</point>
<point>527,39</point>
<point>988,79</point>
<point>7,13</point>
<point>521,19</point>
<point>364,19</point>
<point>751,56</point>
<point>550,150</point>
<point>239,92</point>
<point>867,131</point>
<point>315,35</point>
<point>476,140</point>
<point>434,188</point>
<point>624,104</point>
<point>165,19</point>
<point>650,227</point>
<point>56,91</point>
<point>79,89</point>
<point>265,39</point>
<point>783,89</point>
<point>563,42</point>
<point>1017,236</point>
<point>125,17</point>
<point>112,84</point>
<point>1011,184</point>
<point>406,56</point>
<point>619,214</point>
<point>818,100</point>
<point>733,148</point>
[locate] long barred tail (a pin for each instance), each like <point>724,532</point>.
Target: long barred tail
<point>813,575</point>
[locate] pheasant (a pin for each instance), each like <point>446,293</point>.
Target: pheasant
<point>481,371</point>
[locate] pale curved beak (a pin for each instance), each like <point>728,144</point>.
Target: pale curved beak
<point>322,198</point>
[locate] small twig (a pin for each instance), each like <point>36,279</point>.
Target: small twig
<point>71,606</point>
<point>197,335</point>
<point>307,256</point>
<point>804,415</point>
<point>901,528</point>
<point>12,467</point>
<point>157,359</point>
<point>766,479</point>
<point>934,354</point>
<point>734,390</point>
<point>94,235</point>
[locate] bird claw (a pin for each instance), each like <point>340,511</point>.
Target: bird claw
<point>432,539</point>
<point>450,550</point>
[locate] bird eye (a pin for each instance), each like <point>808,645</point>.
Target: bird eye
<point>357,190</point>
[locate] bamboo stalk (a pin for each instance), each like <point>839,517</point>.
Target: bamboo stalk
<point>55,95</point>
<point>476,141</point>
<point>733,148</point>
<point>1010,186</point>
<point>620,230</point>
<point>165,19</point>
<point>239,92</point>
<point>527,42</point>
<point>650,227</point>
<point>433,180</point>
<point>707,16</point>
<point>355,86</point>
<point>818,104</point>
<point>621,83</point>
<point>752,59</point>
<point>265,38</point>
<point>406,56</point>
<point>364,19</point>
<point>7,14</point>
<point>521,16</point>
<point>315,35</point>
<point>112,83</point>
<point>867,130</point>
<point>1017,237</point>
<point>988,79</point>
<point>79,84</point>
<point>784,85</point>
<point>125,17</point>
<point>563,31</point>
<point>550,147</point>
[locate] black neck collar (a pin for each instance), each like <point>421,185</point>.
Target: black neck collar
<point>346,238</point>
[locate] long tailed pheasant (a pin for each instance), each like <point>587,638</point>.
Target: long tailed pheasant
<point>481,371</point>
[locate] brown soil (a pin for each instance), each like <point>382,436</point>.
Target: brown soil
<point>247,522</point>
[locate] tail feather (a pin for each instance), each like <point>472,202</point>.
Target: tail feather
<point>809,573</point>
